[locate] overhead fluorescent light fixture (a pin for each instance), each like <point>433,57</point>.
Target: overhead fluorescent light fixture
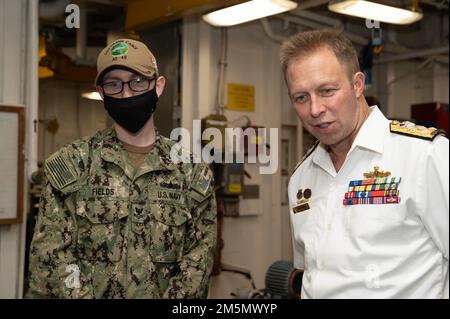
<point>92,96</point>
<point>375,11</point>
<point>248,11</point>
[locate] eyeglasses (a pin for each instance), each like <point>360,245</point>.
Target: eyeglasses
<point>138,84</point>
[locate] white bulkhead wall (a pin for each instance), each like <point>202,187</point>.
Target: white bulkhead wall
<point>409,83</point>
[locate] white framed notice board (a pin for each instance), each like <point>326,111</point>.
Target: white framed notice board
<point>12,131</point>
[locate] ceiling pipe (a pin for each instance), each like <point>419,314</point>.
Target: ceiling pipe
<point>269,32</point>
<point>324,24</point>
<point>309,4</point>
<point>415,54</point>
<point>442,5</point>
<point>409,72</point>
<point>335,23</point>
<point>305,23</point>
<point>304,18</point>
<point>320,22</point>
<point>338,25</point>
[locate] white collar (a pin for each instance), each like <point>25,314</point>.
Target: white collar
<point>370,136</point>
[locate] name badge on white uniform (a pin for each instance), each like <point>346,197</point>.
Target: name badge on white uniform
<point>302,201</point>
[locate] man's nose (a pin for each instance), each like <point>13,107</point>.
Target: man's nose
<point>126,92</point>
<point>317,107</point>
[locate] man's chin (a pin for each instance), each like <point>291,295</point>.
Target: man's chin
<point>321,137</point>
<point>123,129</point>
<point>327,140</point>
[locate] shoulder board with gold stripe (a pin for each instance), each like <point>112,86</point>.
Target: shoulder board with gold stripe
<point>306,155</point>
<point>410,129</point>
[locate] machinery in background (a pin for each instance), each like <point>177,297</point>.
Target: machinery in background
<point>229,181</point>
<point>228,178</point>
<point>231,185</point>
<point>230,188</point>
<point>282,281</point>
<point>371,50</point>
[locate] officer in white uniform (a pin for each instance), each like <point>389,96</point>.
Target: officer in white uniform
<point>369,204</point>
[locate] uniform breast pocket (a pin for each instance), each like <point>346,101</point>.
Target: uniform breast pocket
<point>101,229</point>
<point>375,223</point>
<point>167,231</point>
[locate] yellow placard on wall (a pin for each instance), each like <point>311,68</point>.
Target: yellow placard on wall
<point>241,97</point>
<point>234,188</point>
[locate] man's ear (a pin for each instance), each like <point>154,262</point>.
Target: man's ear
<point>359,80</point>
<point>100,91</point>
<point>160,83</point>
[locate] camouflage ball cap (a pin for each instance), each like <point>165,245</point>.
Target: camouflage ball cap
<point>127,53</point>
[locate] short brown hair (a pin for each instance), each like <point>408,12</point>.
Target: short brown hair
<point>304,43</point>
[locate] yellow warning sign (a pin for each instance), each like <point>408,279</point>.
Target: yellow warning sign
<point>234,188</point>
<point>241,97</point>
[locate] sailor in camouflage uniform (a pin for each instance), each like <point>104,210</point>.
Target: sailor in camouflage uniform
<point>118,218</point>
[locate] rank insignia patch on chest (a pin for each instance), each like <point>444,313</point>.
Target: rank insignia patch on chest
<point>302,204</point>
<point>378,187</point>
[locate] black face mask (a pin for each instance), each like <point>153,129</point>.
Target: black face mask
<point>132,112</point>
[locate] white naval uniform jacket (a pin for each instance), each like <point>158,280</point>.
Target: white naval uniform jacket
<point>378,250</point>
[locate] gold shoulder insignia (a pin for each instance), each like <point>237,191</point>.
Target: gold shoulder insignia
<point>410,129</point>
<point>59,170</point>
<point>306,155</point>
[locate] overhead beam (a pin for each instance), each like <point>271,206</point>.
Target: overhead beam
<point>141,14</point>
<point>306,4</point>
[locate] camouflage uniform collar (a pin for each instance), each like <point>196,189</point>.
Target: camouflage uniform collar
<point>158,158</point>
